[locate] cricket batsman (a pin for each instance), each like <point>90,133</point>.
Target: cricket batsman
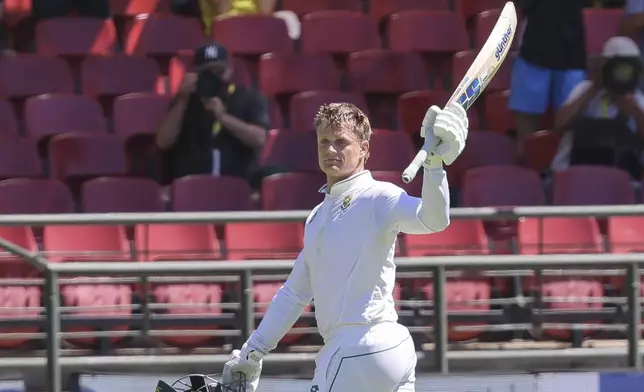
<point>347,263</point>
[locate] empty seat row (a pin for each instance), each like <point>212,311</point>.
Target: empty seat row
<point>491,186</point>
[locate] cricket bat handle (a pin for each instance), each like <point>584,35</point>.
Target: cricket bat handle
<point>410,172</point>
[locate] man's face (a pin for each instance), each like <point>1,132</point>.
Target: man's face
<point>222,69</point>
<point>340,152</point>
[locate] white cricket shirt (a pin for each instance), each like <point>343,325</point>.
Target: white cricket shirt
<point>347,263</point>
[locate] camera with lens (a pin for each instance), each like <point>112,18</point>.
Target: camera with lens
<point>620,75</point>
<point>209,84</point>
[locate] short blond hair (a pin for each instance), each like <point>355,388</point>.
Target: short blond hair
<point>345,116</point>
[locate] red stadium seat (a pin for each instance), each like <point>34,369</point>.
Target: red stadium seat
<point>540,148</point>
<point>599,26</point>
<point>383,75</point>
<point>84,156</point>
<point>292,191</point>
<point>393,176</point>
<point>502,186</point>
<point>105,194</point>
<point>470,8</point>
<point>24,75</point>
<point>497,114</point>
<point>462,237</point>
<point>209,193</point>
<point>139,113</point>
<point>338,33</point>
<point>380,71</point>
<point>175,242</point>
<point>162,36</point>
<point>35,196</point>
<point>184,62</point>
<point>75,36</point>
<point>625,235</point>
<point>286,74</point>
<point>390,151</point>
<point>53,114</point>
<point>557,236</point>
<point>305,105</point>
<point>412,106</point>
<point>91,243</point>
<point>381,9</point>
<point>19,158</point>
<point>8,119</point>
<point>484,148</point>
<point>18,302</point>
<point>592,185</point>
<point>108,77</point>
<point>304,7</point>
<point>252,35</point>
<point>435,34</point>
<point>261,241</point>
<point>291,151</point>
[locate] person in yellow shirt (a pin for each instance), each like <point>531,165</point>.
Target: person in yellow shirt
<point>211,9</point>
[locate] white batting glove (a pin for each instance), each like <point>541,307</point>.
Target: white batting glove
<point>450,127</point>
<point>246,361</point>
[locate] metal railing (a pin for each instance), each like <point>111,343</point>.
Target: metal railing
<point>246,270</point>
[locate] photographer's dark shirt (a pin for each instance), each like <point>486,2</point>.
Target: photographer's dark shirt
<point>200,134</point>
<point>554,33</point>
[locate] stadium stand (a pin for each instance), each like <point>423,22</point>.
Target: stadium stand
<point>72,110</point>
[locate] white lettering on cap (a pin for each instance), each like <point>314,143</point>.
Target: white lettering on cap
<point>212,53</point>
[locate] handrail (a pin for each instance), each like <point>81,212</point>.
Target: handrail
<point>487,213</point>
<point>488,262</point>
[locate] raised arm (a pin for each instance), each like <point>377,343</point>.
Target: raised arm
<point>412,215</point>
<point>445,132</point>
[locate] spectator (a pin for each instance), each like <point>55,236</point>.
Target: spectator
<point>603,118</point>
<point>213,125</point>
<point>551,61</point>
<point>207,10</point>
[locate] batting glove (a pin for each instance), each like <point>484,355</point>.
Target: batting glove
<point>447,130</point>
<point>246,361</point>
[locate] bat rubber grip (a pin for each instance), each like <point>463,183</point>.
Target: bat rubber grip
<point>410,172</point>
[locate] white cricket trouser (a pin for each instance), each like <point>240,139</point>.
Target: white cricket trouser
<point>382,360</point>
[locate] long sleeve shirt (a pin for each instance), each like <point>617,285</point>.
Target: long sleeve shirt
<point>347,263</point>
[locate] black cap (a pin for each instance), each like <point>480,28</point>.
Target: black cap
<point>210,53</point>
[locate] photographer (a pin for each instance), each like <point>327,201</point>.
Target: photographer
<point>603,118</point>
<point>213,126</point>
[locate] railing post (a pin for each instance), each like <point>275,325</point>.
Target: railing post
<point>635,319</point>
<point>440,320</point>
<point>247,305</point>
<point>52,308</point>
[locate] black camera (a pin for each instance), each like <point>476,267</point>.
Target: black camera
<point>621,75</point>
<point>209,84</point>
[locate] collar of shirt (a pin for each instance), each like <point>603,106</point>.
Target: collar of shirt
<point>355,181</point>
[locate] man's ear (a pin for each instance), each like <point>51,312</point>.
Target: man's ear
<point>364,149</point>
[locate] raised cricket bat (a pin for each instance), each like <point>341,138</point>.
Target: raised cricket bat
<point>478,76</point>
